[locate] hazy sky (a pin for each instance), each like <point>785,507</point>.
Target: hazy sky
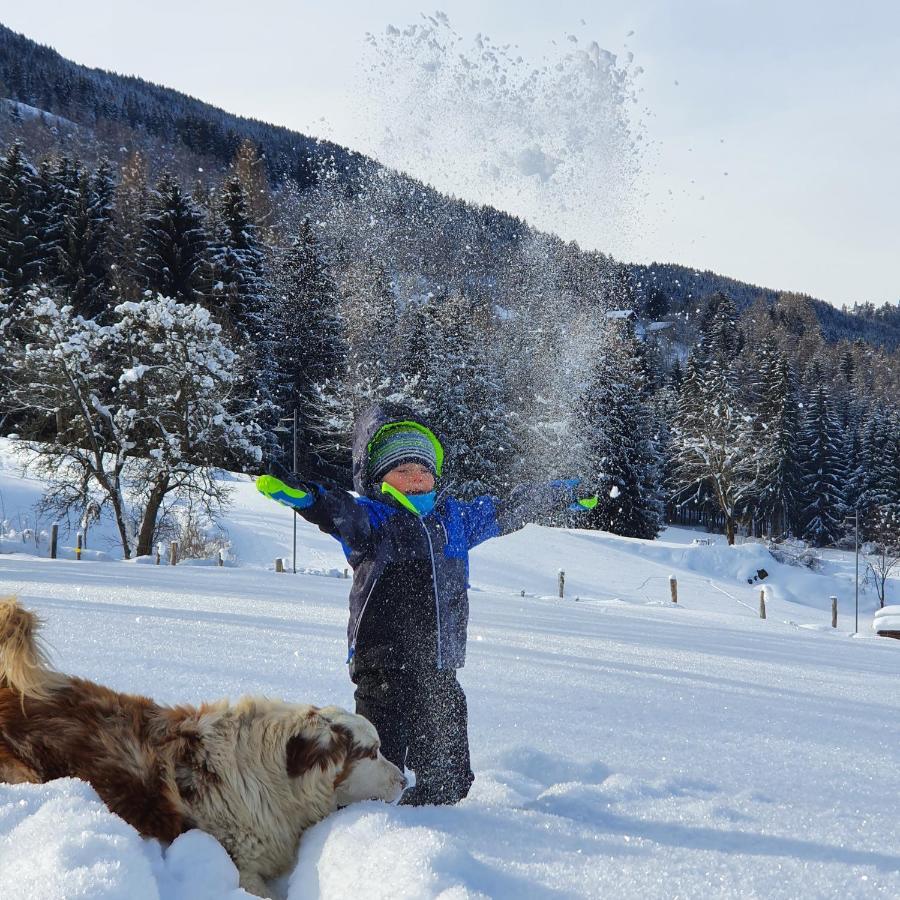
<point>798,102</point>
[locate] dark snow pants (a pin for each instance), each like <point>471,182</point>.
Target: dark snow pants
<point>422,720</point>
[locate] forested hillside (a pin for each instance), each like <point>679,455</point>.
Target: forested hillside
<point>138,226</point>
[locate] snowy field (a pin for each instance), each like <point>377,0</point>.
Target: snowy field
<point>623,746</point>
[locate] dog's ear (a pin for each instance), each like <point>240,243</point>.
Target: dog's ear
<point>193,774</point>
<point>319,745</point>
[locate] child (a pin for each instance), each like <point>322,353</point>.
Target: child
<point>409,610</point>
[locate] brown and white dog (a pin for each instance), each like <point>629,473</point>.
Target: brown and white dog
<point>254,775</point>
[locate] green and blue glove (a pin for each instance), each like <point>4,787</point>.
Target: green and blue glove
<point>583,504</point>
<point>301,496</point>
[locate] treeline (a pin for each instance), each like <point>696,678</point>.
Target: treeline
<point>777,431</point>
<point>324,299</point>
<point>667,289</point>
<point>116,109</point>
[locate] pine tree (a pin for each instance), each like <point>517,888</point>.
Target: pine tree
<point>877,483</point>
<point>823,489</point>
<point>458,385</point>
<point>370,361</point>
<point>307,350</point>
<point>82,262</point>
<point>778,486</point>
<point>173,252</point>
<point>129,211</point>
<point>238,284</point>
<point>621,437</point>
<point>250,170</point>
<point>715,460</point>
<point>22,253</point>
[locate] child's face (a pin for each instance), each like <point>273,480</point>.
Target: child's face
<point>410,478</point>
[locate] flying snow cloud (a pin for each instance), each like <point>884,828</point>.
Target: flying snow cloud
<point>557,141</point>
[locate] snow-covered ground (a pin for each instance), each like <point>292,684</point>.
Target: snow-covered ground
<point>623,746</point>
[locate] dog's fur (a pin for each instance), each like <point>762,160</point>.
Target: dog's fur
<point>254,774</point>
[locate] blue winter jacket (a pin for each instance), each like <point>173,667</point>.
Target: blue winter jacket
<point>409,603</point>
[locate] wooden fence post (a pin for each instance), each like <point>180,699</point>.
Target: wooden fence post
<point>562,583</point>
<point>346,573</point>
<point>673,588</point>
<point>279,564</point>
<point>173,553</point>
<point>158,553</point>
<point>762,603</point>
<point>54,535</point>
<point>834,612</point>
<point>78,540</point>
<point>221,558</point>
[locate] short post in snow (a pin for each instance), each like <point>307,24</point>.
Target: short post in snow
<point>673,588</point>
<point>562,583</point>
<point>346,573</point>
<point>79,539</point>
<point>173,553</point>
<point>762,603</point>
<point>834,612</point>
<point>158,553</point>
<point>221,558</point>
<point>54,535</point>
<point>279,564</point>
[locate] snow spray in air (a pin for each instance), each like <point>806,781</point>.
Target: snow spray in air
<point>557,141</point>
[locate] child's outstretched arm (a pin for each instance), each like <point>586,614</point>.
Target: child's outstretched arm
<point>486,517</point>
<point>333,510</point>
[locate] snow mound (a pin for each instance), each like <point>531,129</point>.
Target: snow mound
<point>887,619</point>
<point>58,840</point>
<point>376,853</point>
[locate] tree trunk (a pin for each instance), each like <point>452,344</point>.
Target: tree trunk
<point>111,487</point>
<point>151,511</point>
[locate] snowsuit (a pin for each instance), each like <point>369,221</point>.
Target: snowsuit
<point>409,607</point>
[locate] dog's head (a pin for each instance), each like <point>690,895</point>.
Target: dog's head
<point>344,748</point>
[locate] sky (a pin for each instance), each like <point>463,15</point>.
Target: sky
<point>771,128</point>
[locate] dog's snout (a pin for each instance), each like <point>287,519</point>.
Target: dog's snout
<point>404,781</point>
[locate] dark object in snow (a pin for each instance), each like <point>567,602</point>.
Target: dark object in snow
<point>761,575</point>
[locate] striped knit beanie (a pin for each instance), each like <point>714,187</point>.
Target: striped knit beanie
<point>400,445</point>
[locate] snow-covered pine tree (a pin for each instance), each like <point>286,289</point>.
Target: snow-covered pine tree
<point>307,353</point>
<point>82,255</point>
<point>877,481</point>
<point>620,437</point>
<point>543,346</point>
<point>130,208</point>
<point>822,477</point>
<point>173,251</point>
<point>370,368</point>
<point>715,459</point>
<point>22,252</point>
<point>778,490</point>
<point>59,179</point>
<point>250,169</point>
<point>239,290</point>
<point>459,385</point>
